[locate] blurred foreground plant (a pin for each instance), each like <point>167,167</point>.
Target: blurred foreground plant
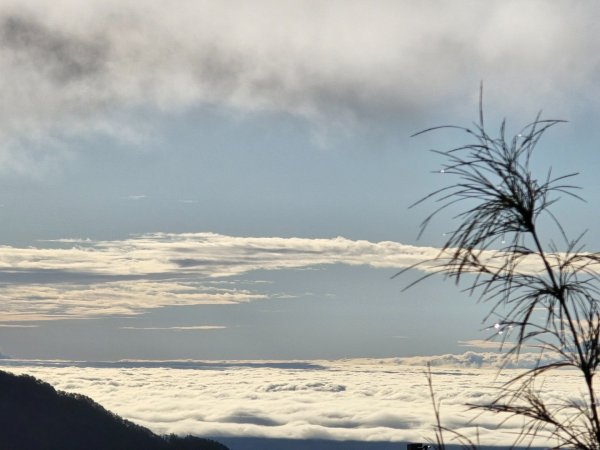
<point>543,296</point>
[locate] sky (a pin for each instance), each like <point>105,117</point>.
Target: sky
<point>232,180</point>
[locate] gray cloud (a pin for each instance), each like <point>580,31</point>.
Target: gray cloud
<point>472,359</point>
<point>189,328</point>
<point>75,68</point>
<point>322,387</point>
<point>64,58</point>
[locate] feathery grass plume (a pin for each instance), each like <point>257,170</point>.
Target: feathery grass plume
<point>490,253</point>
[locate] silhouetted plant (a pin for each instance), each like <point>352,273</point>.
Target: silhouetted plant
<point>546,297</point>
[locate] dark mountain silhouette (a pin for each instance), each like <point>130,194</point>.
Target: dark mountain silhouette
<point>34,416</point>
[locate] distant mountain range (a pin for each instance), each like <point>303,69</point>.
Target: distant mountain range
<point>35,416</point>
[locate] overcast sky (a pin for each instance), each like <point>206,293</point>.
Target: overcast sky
<point>198,179</point>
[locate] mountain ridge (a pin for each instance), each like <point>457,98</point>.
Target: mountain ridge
<point>35,416</point>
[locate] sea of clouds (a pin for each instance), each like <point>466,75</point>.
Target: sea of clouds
<point>358,399</point>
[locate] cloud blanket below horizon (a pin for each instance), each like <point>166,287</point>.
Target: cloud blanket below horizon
<point>364,399</point>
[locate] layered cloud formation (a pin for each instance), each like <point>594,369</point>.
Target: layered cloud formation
<point>75,67</point>
<point>208,255</point>
<point>108,278</point>
<point>81,278</point>
<point>368,399</point>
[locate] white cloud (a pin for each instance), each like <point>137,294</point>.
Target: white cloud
<point>116,278</point>
<point>74,68</point>
<point>366,399</point>
<point>484,344</point>
<point>111,298</point>
<point>190,328</point>
<point>136,197</point>
<point>123,277</point>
